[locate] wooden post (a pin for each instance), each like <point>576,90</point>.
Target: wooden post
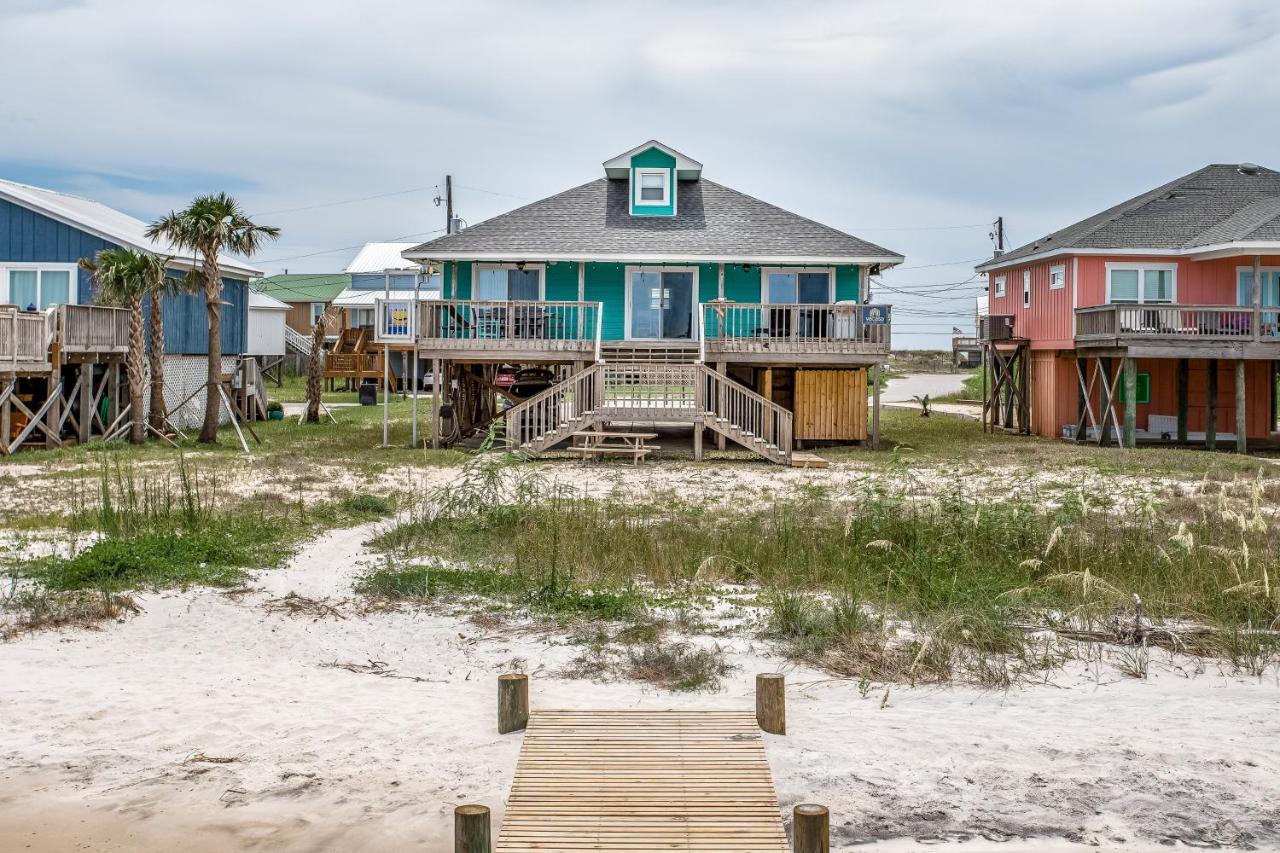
<point>435,404</point>
<point>86,400</point>
<point>1130,402</point>
<point>1184,373</point>
<point>5,410</point>
<point>771,702</point>
<point>720,407</point>
<point>513,702</point>
<point>1211,406</point>
<point>875,406</point>
<point>810,829</point>
<point>1242,421</point>
<point>697,441</point>
<point>471,829</point>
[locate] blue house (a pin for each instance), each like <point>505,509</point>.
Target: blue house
<point>43,292</point>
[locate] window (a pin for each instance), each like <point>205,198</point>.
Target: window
<point>1142,283</point>
<point>361,318</point>
<point>317,311</point>
<point>500,282</point>
<point>797,286</point>
<point>653,187</point>
<point>38,287</point>
<point>660,303</point>
<point>1026,288</point>
<point>1057,277</point>
<point>999,285</point>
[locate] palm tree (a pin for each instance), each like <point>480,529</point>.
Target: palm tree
<point>124,278</point>
<point>210,225</point>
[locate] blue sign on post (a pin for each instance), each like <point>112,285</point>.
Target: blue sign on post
<point>875,315</point>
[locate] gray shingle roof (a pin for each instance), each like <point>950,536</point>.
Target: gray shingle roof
<point>1216,204</point>
<point>713,221</point>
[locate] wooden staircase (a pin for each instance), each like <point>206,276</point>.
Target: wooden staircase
<point>654,393</point>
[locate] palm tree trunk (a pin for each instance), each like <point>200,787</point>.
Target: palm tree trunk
<point>159,409</point>
<point>315,371</point>
<point>134,366</point>
<point>213,307</point>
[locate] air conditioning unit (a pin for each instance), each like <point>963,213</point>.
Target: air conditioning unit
<point>995,327</point>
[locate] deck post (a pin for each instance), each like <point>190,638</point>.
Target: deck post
<point>1211,406</point>
<point>113,409</point>
<point>55,411</point>
<point>1184,373</point>
<point>810,829</point>
<point>875,406</point>
<point>1130,402</point>
<point>5,410</point>
<point>771,702</point>
<point>722,369</point>
<point>471,833</point>
<point>86,401</point>
<point>513,702</point>
<point>435,404</point>
<point>1242,421</point>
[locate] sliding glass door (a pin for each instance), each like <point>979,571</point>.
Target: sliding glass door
<point>660,304</point>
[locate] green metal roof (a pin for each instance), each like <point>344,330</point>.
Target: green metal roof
<point>303,287</point>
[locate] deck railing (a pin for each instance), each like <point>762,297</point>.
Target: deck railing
<point>1179,322</point>
<point>736,327</point>
<point>509,324</point>
<point>24,339</point>
<point>92,329</point>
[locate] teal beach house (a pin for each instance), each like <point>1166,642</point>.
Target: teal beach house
<point>753,321</point>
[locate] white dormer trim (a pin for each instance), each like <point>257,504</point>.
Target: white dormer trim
<point>687,168</point>
<point>668,196</point>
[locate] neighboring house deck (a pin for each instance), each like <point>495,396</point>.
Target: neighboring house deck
<point>1155,320</point>
<point>653,263</point>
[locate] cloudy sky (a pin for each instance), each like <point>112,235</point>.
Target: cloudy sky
<point>910,124</point>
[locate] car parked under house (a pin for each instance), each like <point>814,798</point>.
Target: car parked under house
<point>664,297</point>
<point>1155,320</point>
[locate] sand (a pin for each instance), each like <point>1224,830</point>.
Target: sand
<point>105,735</point>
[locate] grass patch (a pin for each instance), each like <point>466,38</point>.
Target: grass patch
<point>675,666</point>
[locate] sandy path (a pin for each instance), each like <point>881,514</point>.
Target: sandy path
<point>96,729</point>
<point>901,389</point>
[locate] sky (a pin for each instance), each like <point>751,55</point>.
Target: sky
<point>910,124</point>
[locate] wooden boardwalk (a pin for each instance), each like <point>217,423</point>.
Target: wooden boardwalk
<point>642,781</point>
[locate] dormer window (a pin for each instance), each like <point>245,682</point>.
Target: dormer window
<point>653,187</point>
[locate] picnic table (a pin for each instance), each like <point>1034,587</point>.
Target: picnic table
<point>596,443</point>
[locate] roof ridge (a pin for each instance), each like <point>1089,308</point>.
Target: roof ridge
<point>830,228</point>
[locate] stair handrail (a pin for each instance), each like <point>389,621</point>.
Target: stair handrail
<point>297,340</point>
<point>776,422</point>
<point>585,386</point>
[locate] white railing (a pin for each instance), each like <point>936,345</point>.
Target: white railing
<point>510,324</point>
<point>297,341</point>
<point>24,339</point>
<point>787,328</point>
<point>649,391</point>
<point>1179,322</point>
<point>92,329</point>
<point>739,406</point>
<point>548,416</point>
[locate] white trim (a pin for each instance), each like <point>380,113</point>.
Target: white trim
<point>1261,293</point>
<point>73,286</point>
<point>884,261</point>
<point>629,271</point>
<point>620,166</point>
<point>764,282</point>
<point>1199,253</point>
<point>637,195</point>
<point>1140,268</point>
<point>1026,289</point>
<point>1001,286</point>
<point>1061,271</point>
<point>475,277</point>
<point>1075,294</point>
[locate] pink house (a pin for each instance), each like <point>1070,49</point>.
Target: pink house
<point>1155,320</point>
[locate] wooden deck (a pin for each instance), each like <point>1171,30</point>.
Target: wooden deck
<point>642,781</point>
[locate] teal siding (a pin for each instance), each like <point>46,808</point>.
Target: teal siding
<point>562,282</point>
<point>464,280</point>
<point>708,282</point>
<point>741,285</point>
<point>606,283</point>
<point>652,158</point>
<point>847,283</point>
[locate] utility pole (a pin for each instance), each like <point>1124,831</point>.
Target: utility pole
<point>998,234</point>
<point>448,204</point>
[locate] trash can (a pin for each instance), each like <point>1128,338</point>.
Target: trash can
<point>368,394</point>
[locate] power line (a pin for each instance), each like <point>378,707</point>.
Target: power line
<point>920,227</point>
<point>944,264</point>
<point>349,248</point>
<point>344,201</point>
<point>492,192</point>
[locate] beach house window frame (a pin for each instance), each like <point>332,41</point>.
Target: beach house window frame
<point>477,269</point>
<point>766,272</point>
<point>1057,277</point>
<point>6,282</point>
<point>628,298</point>
<point>1026,288</point>
<point>640,174</point>
<point>1001,282</point>
<point>1142,268</point>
